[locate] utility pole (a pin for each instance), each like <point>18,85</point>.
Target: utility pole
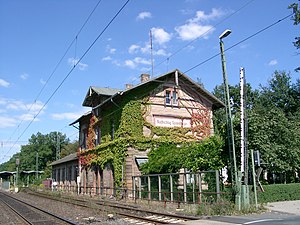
<point>151,52</point>
<point>17,174</point>
<point>236,179</point>
<point>244,151</point>
<point>57,146</point>
<point>37,165</point>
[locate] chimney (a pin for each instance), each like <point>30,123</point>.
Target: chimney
<point>128,86</point>
<point>145,77</point>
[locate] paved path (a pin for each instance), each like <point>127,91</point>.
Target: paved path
<point>292,207</point>
<point>287,212</point>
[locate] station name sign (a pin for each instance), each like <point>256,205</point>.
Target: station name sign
<point>163,121</point>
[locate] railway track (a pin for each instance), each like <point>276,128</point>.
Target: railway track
<point>25,213</point>
<point>129,213</point>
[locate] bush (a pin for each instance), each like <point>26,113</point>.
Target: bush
<point>279,192</point>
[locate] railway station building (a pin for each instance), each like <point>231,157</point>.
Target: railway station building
<point>123,126</point>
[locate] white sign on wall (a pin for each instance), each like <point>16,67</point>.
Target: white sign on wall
<point>163,121</point>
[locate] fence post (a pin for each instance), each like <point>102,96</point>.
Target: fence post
<point>149,188</point>
<point>171,188</point>
<point>133,189</point>
<point>193,177</point>
<point>218,185</point>
<point>184,187</point>
<point>159,188</point>
<point>140,188</point>
<point>200,188</point>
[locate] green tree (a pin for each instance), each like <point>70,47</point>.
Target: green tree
<point>296,19</point>
<point>205,155</point>
<point>274,124</point>
<point>280,93</point>
<point>69,148</point>
<point>43,146</point>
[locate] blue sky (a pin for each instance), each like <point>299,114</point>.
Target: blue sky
<point>34,35</point>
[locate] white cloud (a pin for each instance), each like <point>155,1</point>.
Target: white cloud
<point>24,76</point>
<point>107,58</point>
<point>143,61</point>
<point>18,105</point>
<point>18,110</point>
<point>195,27</point>
<point>273,62</point>
<point>81,66</point>
<point>143,15</point>
<point>28,117</point>
<point>66,116</point>
<point>112,50</point>
<point>146,49</point>
<point>133,63</point>
<point>42,81</point>
<point>192,31</point>
<point>3,83</point>
<point>160,36</point>
<point>202,17</point>
<point>7,121</point>
<point>116,62</point>
<point>161,52</point>
<point>130,64</point>
<point>134,49</point>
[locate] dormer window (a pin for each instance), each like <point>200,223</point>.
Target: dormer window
<point>171,97</point>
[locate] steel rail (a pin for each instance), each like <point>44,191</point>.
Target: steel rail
<point>118,207</point>
<point>38,210</point>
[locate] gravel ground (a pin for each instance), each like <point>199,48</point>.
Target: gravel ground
<point>77,214</point>
<point>6,216</point>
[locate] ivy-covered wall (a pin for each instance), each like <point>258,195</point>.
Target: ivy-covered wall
<point>122,123</point>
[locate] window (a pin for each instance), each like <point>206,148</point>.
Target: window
<point>171,97</point>
<point>139,160</point>
<point>97,136</point>
<point>174,98</point>
<point>168,97</point>
<point>83,140</point>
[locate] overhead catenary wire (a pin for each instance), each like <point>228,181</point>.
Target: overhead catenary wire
<point>210,58</point>
<point>203,34</point>
<point>199,64</point>
<point>57,65</point>
<point>71,70</point>
<point>240,42</point>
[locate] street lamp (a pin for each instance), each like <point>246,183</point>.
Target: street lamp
<point>225,34</point>
<point>228,110</point>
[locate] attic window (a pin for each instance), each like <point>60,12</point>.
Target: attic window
<point>174,98</point>
<point>168,97</point>
<point>171,97</point>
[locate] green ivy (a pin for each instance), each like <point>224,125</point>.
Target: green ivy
<point>128,120</point>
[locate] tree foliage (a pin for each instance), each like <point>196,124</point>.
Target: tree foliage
<point>69,148</point>
<point>296,19</point>
<point>40,149</point>
<point>195,156</point>
<point>273,122</point>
